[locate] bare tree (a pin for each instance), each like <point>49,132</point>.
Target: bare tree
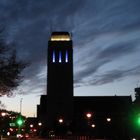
<point>10,69</point>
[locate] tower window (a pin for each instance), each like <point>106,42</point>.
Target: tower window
<point>66,57</point>
<point>53,57</point>
<point>60,57</point>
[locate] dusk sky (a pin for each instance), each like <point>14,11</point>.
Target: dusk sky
<point>106,44</point>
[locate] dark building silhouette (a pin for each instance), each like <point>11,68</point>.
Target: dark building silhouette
<point>60,111</point>
<point>58,103</point>
<point>60,77</point>
<point>109,116</point>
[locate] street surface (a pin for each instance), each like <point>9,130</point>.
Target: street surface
<point>30,139</point>
<point>35,138</point>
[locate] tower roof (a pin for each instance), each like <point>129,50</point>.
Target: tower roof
<point>60,36</point>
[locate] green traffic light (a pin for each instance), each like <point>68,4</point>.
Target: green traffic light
<point>138,121</point>
<point>19,121</point>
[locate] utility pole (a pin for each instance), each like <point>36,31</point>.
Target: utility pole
<point>21,105</point>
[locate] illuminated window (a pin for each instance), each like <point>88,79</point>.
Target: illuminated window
<point>60,57</point>
<point>53,57</point>
<point>66,57</point>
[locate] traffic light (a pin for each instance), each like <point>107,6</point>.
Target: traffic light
<point>138,120</point>
<point>19,121</point>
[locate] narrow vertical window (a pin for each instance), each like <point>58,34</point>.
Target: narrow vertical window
<point>53,57</point>
<point>60,57</point>
<point>66,57</point>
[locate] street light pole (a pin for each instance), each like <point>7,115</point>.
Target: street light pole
<point>21,105</point>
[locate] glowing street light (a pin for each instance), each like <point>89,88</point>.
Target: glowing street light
<point>88,115</point>
<point>31,125</point>
<point>108,119</point>
<point>40,124</point>
<point>8,133</point>
<point>3,114</point>
<point>34,130</point>
<point>60,120</point>
<point>93,125</point>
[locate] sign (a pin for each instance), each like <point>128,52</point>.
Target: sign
<point>12,124</point>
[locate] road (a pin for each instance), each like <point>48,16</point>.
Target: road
<point>60,138</point>
<point>35,139</point>
<point>46,139</point>
<point>12,138</point>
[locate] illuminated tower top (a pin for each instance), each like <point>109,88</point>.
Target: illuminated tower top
<point>60,49</point>
<point>60,36</point>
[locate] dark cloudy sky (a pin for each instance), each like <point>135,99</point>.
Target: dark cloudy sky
<point>106,38</point>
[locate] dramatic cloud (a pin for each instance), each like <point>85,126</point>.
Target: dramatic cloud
<point>111,76</point>
<point>109,51</point>
<point>106,36</point>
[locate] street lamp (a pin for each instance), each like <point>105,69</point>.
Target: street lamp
<point>40,124</point>
<point>3,114</point>
<point>31,125</point>
<point>108,119</point>
<point>88,115</point>
<point>21,105</point>
<point>60,120</point>
<point>133,138</point>
<point>93,125</point>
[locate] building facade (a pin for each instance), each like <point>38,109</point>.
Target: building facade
<point>62,112</point>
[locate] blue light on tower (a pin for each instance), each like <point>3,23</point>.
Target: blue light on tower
<point>66,57</point>
<point>60,57</point>
<point>53,57</point>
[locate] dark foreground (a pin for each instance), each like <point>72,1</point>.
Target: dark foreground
<point>59,138</point>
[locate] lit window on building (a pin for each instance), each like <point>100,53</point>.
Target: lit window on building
<point>66,57</point>
<point>60,57</point>
<point>53,57</point>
